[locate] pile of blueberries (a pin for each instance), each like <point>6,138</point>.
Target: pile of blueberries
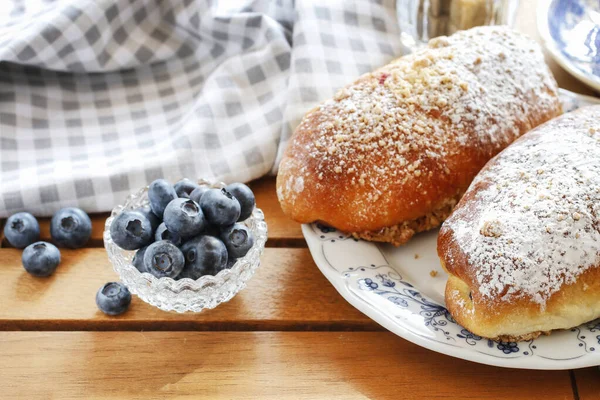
<point>70,228</point>
<point>188,230</point>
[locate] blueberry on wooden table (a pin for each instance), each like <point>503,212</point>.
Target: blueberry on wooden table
<point>245,197</point>
<point>113,298</point>
<point>185,187</point>
<point>21,230</point>
<point>196,195</point>
<point>238,240</point>
<point>160,194</point>
<point>204,255</point>
<point>220,207</point>
<point>40,259</point>
<point>131,230</point>
<point>184,217</point>
<point>163,259</point>
<point>163,233</point>
<point>71,227</point>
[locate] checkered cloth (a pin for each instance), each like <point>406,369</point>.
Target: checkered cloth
<point>100,97</point>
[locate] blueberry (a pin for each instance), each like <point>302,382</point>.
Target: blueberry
<point>238,239</point>
<point>184,217</point>
<point>198,192</point>
<point>138,259</point>
<point>204,255</point>
<point>162,233</point>
<point>160,194</point>
<point>130,230</point>
<point>244,195</point>
<point>185,187</point>
<point>184,274</point>
<point>71,227</point>
<point>231,262</point>
<point>163,259</point>
<point>40,258</point>
<point>146,211</point>
<point>220,207</point>
<point>113,298</point>
<point>212,230</point>
<point>21,230</point>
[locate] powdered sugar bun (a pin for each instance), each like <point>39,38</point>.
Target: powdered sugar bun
<point>391,154</point>
<point>523,245</point>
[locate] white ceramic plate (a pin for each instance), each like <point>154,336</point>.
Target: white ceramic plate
<point>393,286</point>
<point>569,30</point>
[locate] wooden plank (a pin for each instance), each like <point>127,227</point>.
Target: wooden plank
<point>251,365</point>
<point>588,383</point>
<point>288,292</point>
<point>283,232</point>
<point>527,23</point>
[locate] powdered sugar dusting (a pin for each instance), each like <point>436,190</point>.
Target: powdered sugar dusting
<point>476,89</point>
<point>531,221</point>
<point>458,299</point>
<point>298,185</point>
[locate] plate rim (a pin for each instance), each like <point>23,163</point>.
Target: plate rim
<point>543,8</point>
<point>538,363</point>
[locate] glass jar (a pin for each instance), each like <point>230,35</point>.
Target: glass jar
<point>421,20</point>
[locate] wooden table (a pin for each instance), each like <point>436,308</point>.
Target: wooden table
<point>288,335</point>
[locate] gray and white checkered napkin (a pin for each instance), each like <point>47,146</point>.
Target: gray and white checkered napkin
<point>100,97</point>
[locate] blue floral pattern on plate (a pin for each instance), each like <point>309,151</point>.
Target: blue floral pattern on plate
<point>398,295</point>
<point>571,31</point>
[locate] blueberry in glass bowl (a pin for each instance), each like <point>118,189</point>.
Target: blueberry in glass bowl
<point>186,292</point>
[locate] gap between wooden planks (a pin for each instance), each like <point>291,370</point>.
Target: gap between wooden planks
<point>250,365</point>
<point>283,232</point>
<point>587,381</point>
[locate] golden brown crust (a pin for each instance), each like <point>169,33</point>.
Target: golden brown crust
<point>395,145</point>
<point>520,320</point>
<point>522,247</point>
<point>400,234</point>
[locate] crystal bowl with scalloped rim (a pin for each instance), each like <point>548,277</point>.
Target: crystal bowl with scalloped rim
<point>185,295</point>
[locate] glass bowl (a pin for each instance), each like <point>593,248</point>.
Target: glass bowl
<point>185,295</point>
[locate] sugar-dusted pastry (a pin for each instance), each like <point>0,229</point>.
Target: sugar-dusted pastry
<point>523,245</point>
<point>391,154</point>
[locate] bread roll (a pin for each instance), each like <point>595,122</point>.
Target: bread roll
<point>391,154</point>
<point>523,245</point>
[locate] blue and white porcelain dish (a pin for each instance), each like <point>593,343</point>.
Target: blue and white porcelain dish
<point>394,287</point>
<point>570,30</point>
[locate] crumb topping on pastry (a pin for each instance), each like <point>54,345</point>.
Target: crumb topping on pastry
<point>532,224</point>
<point>467,89</point>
